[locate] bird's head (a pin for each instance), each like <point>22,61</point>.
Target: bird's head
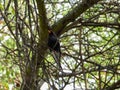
<point>50,32</point>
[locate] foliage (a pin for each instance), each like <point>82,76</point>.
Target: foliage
<point>90,44</point>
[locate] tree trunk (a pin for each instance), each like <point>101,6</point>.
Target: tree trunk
<point>29,78</point>
<point>30,75</point>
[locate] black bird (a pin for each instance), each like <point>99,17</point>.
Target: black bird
<point>54,47</point>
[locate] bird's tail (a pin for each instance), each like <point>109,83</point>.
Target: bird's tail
<point>57,56</point>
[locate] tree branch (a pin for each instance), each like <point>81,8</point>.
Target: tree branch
<point>43,33</point>
<point>72,15</point>
<point>114,86</point>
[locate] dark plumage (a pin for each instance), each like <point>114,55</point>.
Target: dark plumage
<point>54,46</point>
<point>53,42</point>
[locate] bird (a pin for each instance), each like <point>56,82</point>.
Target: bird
<point>54,47</point>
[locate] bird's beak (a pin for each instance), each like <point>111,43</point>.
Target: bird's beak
<point>49,31</point>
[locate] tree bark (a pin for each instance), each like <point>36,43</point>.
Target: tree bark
<point>30,74</point>
<point>59,26</point>
<point>32,68</point>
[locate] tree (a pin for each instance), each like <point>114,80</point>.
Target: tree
<point>89,35</point>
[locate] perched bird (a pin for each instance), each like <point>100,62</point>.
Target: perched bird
<point>54,47</point>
